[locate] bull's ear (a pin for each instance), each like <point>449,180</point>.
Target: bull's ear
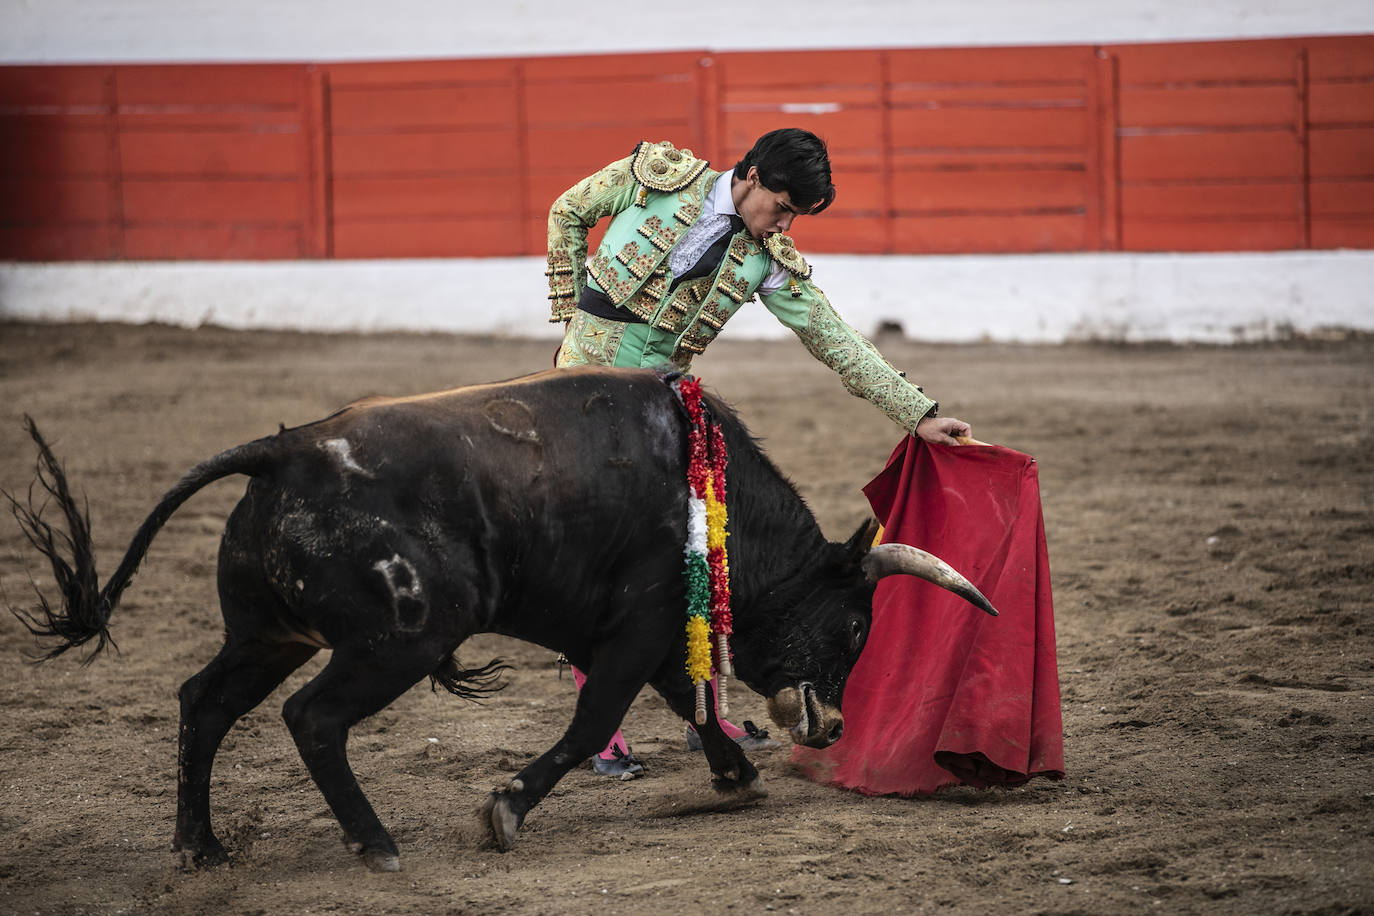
<point>859,543</point>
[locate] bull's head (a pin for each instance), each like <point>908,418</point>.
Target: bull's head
<point>808,634</point>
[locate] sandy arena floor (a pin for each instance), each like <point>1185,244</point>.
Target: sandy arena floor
<point>1210,516</point>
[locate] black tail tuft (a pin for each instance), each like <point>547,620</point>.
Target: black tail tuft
<point>469,683</point>
<point>84,613</point>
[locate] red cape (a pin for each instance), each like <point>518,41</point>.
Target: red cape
<point>944,693</point>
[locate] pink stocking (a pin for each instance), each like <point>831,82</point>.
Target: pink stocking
<point>617,740</point>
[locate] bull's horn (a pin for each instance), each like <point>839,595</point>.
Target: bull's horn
<point>890,559</point>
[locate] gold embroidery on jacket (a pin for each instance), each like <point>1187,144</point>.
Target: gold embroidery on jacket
<point>662,167</point>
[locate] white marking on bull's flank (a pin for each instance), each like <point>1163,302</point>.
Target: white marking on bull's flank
<point>343,455</point>
<point>408,602</point>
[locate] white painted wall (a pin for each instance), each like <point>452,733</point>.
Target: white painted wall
<point>1029,298</point>
<point>296,30</point>
<point>1220,298</point>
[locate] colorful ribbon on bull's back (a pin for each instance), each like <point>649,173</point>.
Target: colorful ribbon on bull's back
<point>708,567</point>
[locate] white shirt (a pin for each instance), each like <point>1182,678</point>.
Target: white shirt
<point>705,231</point>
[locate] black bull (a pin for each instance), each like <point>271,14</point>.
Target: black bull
<point>550,508</point>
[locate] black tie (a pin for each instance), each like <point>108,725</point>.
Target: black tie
<point>712,256</point>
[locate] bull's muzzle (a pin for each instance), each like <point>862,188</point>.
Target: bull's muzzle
<point>809,721</point>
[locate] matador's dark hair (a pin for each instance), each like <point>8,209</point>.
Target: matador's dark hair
<point>795,161</point>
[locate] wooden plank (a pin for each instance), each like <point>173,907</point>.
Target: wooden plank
<point>213,243</point>
<point>976,190</point>
<point>565,150</point>
<point>190,119</point>
<point>209,87</point>
<point>1340,57</point>
<point>857,191</point>
<point>1301,133</point>
<point>67,88</point>
<point>1191,201</point>
<point>211,153</point>
<point>1102,162</point>
<point>315,163</point>
<point>1341,152</point>
<point>459,107</point>
<point>989,128</point>
<point>1347,104</point>
<point>67,242</point>
<point>1236,155</point>
<point>1047,65</point>
<point>611,102</point>
<point>1210,106</point>
<point>1332,199</point>
<point>453,152</point>
<point>857,130</point>
<point>404,197</point>
<point>945,159</point>
<point>801,99</point>
<point>233,201</point>
<point>840,232</point>
<point>1263,61</point>
<point>394,73</point>
<point>610,67</point>
<point>798,70</point>
<point>54,146</point>
<point>1211,235</point>
<point>708,88</point>
<point>1350,232</point>
<point>54,201</point>
<point>434,237</point>
<point>988,233</point>
<point>1011,95</point>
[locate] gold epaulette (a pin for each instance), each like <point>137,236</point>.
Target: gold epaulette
<point>663,167</point>
<point>783,250</point>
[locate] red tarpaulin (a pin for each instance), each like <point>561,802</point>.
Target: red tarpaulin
<point>943,693</point>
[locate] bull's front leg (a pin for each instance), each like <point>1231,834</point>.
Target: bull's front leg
<point>602,702</point>
<point>731,770</point>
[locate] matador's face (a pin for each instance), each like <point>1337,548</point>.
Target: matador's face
<point>764,211</point>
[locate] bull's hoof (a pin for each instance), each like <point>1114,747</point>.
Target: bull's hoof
<point>499,821</point>
<point>746,791</point>
<point>209,855</point>
<point>381,860</point>
<point>377,858</point>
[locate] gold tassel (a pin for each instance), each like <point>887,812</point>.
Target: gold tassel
<point>642,196</point>
<point>795,287</point>
<point>724,671</point>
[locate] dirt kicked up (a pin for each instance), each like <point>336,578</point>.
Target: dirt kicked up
<point>1210,518</point>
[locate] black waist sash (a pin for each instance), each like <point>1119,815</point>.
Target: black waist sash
<point>594,302</point>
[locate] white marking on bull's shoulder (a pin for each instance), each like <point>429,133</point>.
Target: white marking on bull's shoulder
<point>408,603</point>
<point>343,455</point>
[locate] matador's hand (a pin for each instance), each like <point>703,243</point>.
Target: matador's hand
<point>942,430</point>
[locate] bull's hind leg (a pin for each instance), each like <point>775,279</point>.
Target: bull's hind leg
<point>236,680</point>
<point>355,684</point>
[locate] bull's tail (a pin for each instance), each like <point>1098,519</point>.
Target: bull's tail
<point>85,609</point>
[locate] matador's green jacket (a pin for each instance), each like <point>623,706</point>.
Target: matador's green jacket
<point>655,195</point>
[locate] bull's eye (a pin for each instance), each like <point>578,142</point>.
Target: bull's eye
<point>856,636</point>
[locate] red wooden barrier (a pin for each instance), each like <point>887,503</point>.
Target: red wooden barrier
<point>1241,145</point>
